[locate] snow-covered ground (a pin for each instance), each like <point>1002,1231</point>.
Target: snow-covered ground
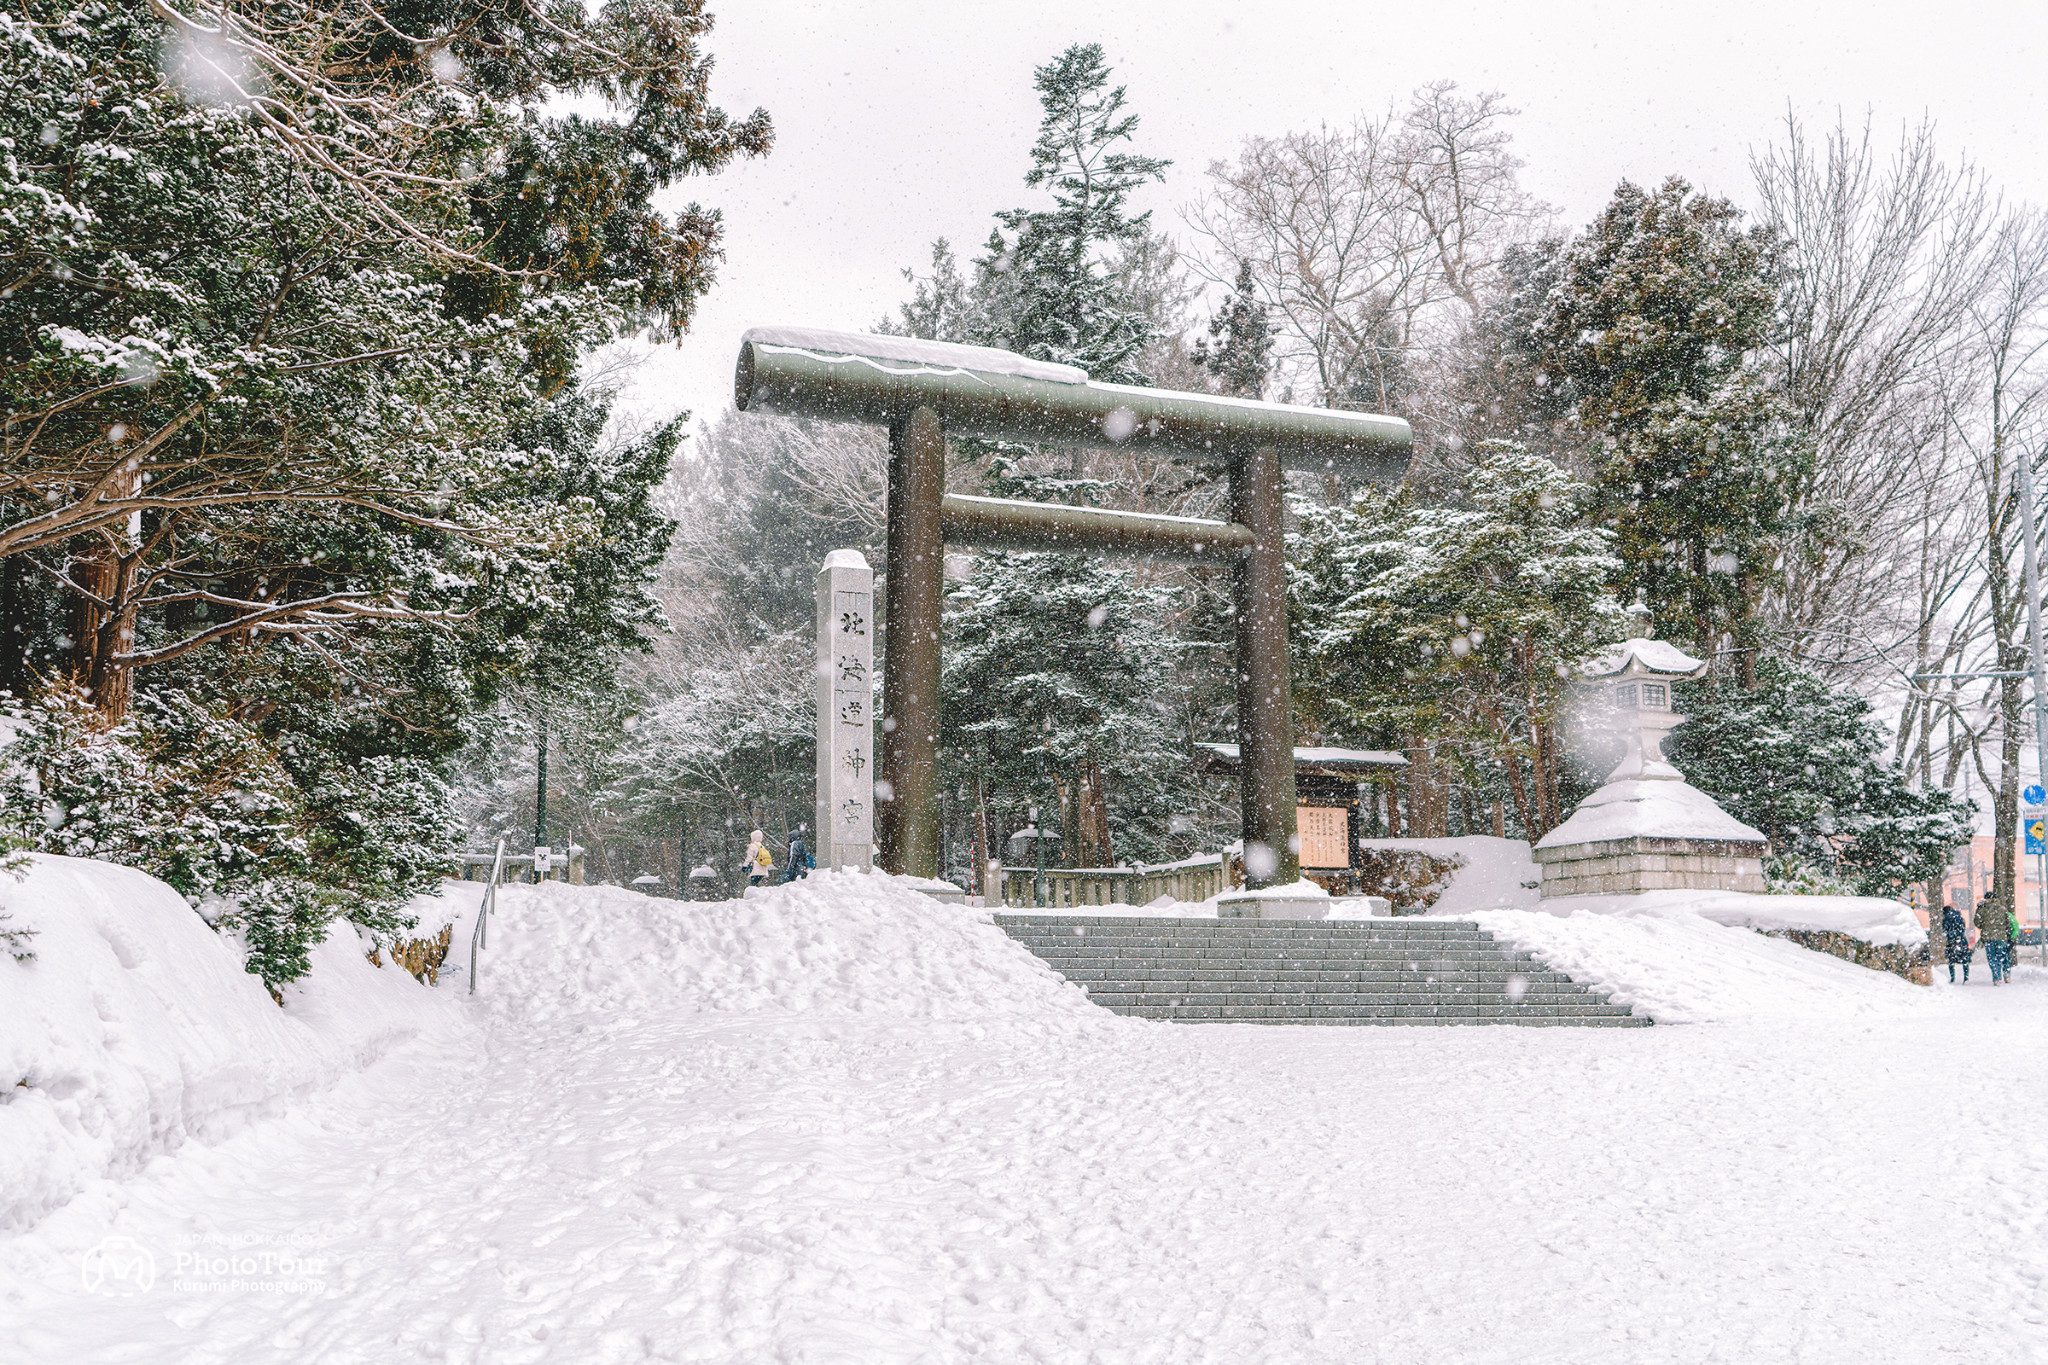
<point>838,1122</point>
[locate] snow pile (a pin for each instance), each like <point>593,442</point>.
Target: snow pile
<point>1870,918</point>
<point>1648,809</point>
<point>1499,874</point>
<point>1680,967</point>
<point>834,943</point>
<point>135,1028</point>
<point>449,903</point>
<point>1300,889</point>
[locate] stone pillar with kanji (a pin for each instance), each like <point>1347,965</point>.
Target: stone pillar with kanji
<point>846,699</point>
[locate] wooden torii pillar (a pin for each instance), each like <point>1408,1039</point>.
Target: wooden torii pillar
<point>923,391</point>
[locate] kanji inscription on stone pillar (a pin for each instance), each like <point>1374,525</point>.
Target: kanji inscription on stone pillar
<point>846,698</point>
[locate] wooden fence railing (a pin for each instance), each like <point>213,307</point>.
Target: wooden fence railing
<point>1194,879</point>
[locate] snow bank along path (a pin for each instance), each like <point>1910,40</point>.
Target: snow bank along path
<point>134,1029</point>
<point>840,1123</point>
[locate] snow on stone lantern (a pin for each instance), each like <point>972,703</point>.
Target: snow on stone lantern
<point>1647,829</point>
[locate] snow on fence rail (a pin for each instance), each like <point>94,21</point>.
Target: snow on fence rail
<point>563,867</point>
<point>1194,879</point>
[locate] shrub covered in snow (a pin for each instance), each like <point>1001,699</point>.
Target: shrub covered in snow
<point>273,839</point>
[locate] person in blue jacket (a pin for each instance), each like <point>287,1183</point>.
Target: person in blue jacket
<point>800,860</point>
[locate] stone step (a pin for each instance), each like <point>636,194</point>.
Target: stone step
<point>1399,923</point>
<point>1361,943</point>
<point>1260,946</point>
<point>1308,972</point>
<point>1286,941</point>
<point>1275,942</point>
<point>1224,1013</point>
<point>1360,999</point>
<point>1499,977</point>
<point>1389,977</point>
<point>1252,936</point>
<point>1516,1021</point>
<point>1197,957</point>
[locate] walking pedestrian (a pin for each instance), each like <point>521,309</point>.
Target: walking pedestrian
<point>800,860</point>
<point>760,862</point>
<point>1991,922</point>
<point>1955,941</point>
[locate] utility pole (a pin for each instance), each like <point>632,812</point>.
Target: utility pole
<point>2040,673</point>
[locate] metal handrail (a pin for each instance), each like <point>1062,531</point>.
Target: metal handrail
<point>478,939</point>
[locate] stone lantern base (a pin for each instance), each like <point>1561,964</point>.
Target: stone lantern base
<point>1656,833</point>
<point>1622,867</point>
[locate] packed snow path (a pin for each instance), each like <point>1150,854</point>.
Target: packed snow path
<point>637,1151</point>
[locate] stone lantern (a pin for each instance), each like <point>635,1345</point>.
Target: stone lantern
<point>1647,829</point>
<point>1635,678</point>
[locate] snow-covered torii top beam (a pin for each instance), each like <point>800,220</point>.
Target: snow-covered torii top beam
<point>1000,396</point>
<point>924,391</point>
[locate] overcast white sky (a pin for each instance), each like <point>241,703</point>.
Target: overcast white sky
<point>900,121</point>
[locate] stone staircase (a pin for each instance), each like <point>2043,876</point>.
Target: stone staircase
<point>1410,970</point>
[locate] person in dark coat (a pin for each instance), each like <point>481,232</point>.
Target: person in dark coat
<point>800,860</point>
<point>1955,941</point>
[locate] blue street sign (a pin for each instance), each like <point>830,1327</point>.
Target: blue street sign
<point>2036,827</point>
<point>2035,795</point>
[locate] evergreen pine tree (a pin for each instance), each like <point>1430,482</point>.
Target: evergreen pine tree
<point>1242,356</point>
<point>1057,674</point>
<point>293,419</point>
<point>1806,764</point>
<point>1657,323</point>
<point>1065,306</point>
<point>938,308</point>
<point>1456,623</point>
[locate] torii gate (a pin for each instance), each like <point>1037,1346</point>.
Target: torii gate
<point>923,391</point>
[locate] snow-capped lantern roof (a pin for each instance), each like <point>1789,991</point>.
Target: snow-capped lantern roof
<point>1635,678</point>
<point>1656,660</point>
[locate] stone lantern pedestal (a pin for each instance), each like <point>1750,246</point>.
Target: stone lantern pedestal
<point>1648,829</point>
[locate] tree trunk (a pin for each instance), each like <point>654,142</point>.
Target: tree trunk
<point>1094,820</point>
<point>103,626</point>
<point>14,625</point>
<point>2005,804</point>
<point>1070,825</point>
<point>1545,780</point>
<point>1513,768</point>
<point>1426,797</point>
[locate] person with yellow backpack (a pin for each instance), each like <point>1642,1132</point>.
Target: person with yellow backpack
<point>760,862</point>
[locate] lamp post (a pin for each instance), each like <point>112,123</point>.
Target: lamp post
<point>1038,860</point>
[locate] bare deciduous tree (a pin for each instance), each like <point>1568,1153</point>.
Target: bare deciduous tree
<point>1333,240</point>
<point>1880,268</point>
<point>1998,398</point>
<point>1465,184</point>
<point>1372,244</point>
